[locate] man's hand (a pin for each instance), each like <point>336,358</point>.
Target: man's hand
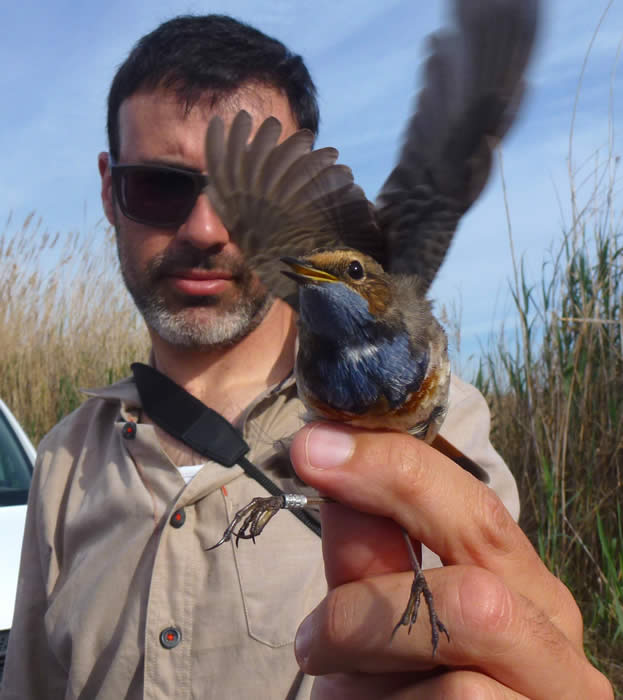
<point>515,630</point>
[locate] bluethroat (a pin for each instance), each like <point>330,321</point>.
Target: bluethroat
<point>371,352</point>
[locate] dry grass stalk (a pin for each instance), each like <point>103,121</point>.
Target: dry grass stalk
<point>66,321</point>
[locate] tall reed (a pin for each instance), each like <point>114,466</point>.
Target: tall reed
<point>555,386</point>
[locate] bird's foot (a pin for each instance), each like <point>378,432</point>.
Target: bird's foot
<point>420,588</point>
<point>254,517</point>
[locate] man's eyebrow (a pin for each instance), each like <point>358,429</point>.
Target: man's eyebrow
<point>167,162</point>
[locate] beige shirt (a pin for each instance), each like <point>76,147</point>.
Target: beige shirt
<point>108,582</point>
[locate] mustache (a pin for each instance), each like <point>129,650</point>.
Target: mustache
<point>171,261</point>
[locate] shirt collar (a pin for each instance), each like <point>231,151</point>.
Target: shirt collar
<point>126,394</point>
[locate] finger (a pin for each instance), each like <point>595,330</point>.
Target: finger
<point>363,686</point>
<point>403,686</point>
<point>356,545</point>
<point>398,477</point>
<point>493,630</point>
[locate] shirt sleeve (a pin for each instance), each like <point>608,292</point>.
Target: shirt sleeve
<point>31,671</point>
<point>467,427</point>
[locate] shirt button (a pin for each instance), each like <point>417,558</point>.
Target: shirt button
<point>170,637</point>
<point>178,518</point>
<point>129,430</point>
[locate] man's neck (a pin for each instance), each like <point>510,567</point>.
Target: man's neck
<point>228,379</point>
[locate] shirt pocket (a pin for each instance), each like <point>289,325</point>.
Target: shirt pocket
<point>281,576</point>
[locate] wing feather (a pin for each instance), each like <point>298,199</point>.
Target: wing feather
<point>472,88</point>
<point>279,199</point>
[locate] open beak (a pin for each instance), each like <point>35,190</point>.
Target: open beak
<point>304,273</point>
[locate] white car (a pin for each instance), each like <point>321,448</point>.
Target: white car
<point>17,457</point>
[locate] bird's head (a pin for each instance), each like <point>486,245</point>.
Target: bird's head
<point>341,290</point>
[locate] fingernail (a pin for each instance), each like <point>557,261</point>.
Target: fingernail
<point>328,446</point>
<point>302,642</point>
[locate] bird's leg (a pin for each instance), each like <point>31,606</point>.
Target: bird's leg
<point>256,515</point>
<point>419,587</point>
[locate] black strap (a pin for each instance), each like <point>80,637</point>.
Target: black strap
<point>190,421</point>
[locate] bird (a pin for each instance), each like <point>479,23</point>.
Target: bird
<point>371,352</point>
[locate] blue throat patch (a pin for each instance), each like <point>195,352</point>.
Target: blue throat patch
<point>333,310</point>
<point>355,359</point>
<point>354,377</point>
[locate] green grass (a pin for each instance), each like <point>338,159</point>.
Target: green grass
<point>555,388</point>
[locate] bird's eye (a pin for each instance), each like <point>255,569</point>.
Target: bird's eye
<point>355,270</point>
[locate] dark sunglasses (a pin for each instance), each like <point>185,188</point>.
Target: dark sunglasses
<point>156,195</point>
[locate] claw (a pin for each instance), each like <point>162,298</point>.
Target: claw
<point>419,588</point>
<point>254,516</point>
<point>225,538</point>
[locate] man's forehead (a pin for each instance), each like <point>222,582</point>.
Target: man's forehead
<point>261,101</point>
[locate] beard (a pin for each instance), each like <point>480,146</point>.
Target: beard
<point>194,322</point>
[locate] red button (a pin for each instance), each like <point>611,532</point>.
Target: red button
<point>129,430</point>
<point>178,518</point>
<point>170,637</point>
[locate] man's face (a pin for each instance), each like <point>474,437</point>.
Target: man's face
<point>191,284</point>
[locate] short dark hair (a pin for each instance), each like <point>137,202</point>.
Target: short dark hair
<point>215,54</point>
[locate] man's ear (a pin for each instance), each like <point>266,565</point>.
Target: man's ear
<point>107,198</point>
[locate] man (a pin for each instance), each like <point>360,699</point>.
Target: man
<point>118,597</point>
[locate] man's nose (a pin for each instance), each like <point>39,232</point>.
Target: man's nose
<point>203,228</point>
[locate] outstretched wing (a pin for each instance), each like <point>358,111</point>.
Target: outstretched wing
<point>473,84</point>
<point>278,199</point>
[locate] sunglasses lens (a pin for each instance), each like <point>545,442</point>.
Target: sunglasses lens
<point>156,196</point>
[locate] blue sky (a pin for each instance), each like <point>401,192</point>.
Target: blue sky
<point>365,57</point>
